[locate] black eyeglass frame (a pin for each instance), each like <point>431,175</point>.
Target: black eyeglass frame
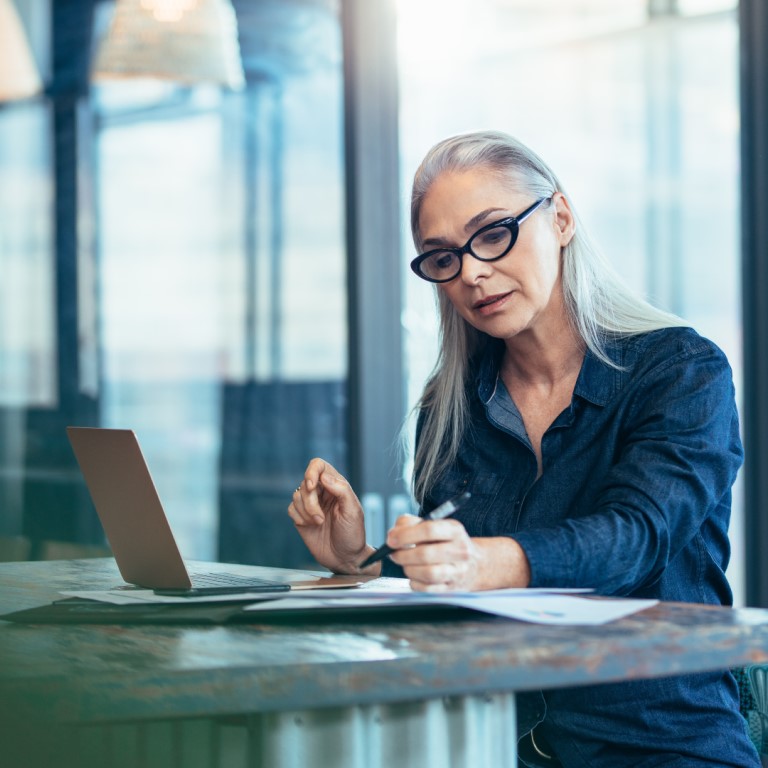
<point>512,223</point>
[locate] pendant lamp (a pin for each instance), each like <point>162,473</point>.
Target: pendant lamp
<point>186,41</point>
<point>19,77</point>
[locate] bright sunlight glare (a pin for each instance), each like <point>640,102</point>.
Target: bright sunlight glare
<point>435,35</point>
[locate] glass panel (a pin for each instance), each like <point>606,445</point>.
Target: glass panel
<point>27,324</point>
<point>222,283</point>
<point>202,233</point>
<point>638,117</point>
<point>27,310</point>
<point>27,338</point>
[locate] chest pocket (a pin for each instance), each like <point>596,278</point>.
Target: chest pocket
<point>484,488</point>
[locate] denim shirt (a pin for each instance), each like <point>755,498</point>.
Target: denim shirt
<point>635,493</point>
<point>634,499</point>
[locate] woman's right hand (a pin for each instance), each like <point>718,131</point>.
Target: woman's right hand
<point>329,518</point>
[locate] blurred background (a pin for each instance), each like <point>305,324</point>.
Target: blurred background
<point>203,231</point>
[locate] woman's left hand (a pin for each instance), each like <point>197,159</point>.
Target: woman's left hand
<point>440,556</point>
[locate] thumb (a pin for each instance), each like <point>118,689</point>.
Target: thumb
<point>334,485</point>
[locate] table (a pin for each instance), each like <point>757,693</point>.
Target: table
<point>328,693</point>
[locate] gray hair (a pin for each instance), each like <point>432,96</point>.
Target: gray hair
<point>598,303</point>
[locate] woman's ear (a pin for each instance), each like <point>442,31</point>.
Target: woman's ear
<point>564,219</point>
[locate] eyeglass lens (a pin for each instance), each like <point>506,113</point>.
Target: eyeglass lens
<point>486,245</point>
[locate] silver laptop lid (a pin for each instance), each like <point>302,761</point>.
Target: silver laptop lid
<point>129,507</point>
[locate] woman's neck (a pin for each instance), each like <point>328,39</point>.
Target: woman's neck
<point>543,361</point>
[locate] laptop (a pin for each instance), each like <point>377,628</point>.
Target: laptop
<point>135,523</point>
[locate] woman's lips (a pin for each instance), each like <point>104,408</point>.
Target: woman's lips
<point>490,304</point>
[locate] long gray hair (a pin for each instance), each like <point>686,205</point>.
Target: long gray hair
<point>598,303</point>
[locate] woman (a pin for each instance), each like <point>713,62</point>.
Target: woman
<point>598,437</point>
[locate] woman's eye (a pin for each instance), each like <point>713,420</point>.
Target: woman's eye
<point>494,236</point>
<point>442,260</point>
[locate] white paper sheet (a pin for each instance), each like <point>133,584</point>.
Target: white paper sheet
<point>541,606</point>
<point>382,587</point>
<point>536,606</point>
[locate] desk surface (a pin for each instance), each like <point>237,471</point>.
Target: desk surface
<point>95,673</point>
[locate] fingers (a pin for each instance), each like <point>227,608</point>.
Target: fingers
<point>319,489</point>
<point>442,576</point>
<point>303,510</point>
<point>320,473</point>
<point>437,556</point>
<point>410,530</point>
<point>436,553</point>
<point>445,577</point>
<point>312,473</point>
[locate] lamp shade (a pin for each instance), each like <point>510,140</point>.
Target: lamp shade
<point>187,41</point>
<point>19,77</point>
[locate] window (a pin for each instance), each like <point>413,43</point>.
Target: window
<point>222,282</point>
<point>209,311</point>
<point>635,106</point>
<point>27,333</point>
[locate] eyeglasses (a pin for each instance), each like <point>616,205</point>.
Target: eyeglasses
<point>489,243</point>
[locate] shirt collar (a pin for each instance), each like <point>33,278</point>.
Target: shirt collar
<point>599,382</point>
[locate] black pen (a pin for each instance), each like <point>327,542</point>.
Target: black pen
<point>446,509</point>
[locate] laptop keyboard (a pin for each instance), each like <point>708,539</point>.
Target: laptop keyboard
<point>205,580</point>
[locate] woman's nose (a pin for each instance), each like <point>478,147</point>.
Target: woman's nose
<point>473,269</point>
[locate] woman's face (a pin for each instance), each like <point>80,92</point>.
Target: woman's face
<point>522,290</point>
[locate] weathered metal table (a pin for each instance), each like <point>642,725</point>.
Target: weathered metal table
<point>338,693</point>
